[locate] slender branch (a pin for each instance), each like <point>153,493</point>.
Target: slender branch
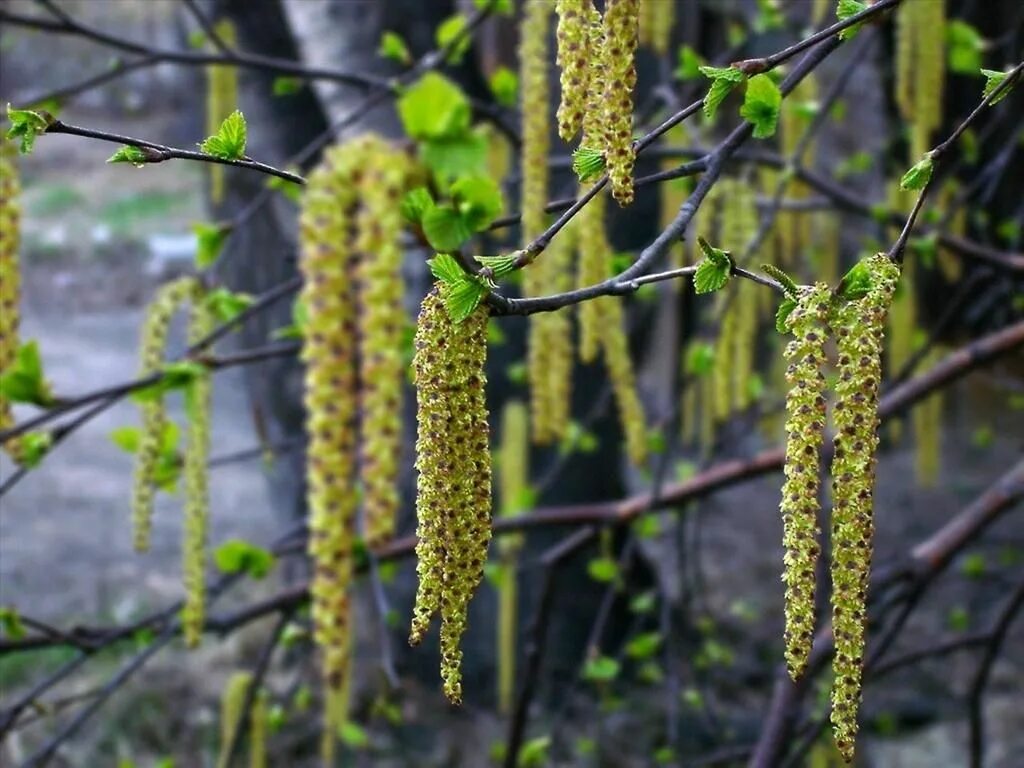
<point>208,28</point>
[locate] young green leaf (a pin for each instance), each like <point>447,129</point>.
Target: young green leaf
<point>10,623</point>
<point>133,155</point>
<point>782,315</point>
<point>227,305</point>
<point>964,47</point>
<point>229,141</point>
<point>444,228</point>
<point>287,86</point>
<point>710,276</point>
<point>994,79</point>
<point>210,239</point>
<point>392,46</point>
<point>602,669</point>
<point>500,7</point>
<point>504,85</point>
<point>26,125</point>
<point>689,64</point>
<point>434,108</point>
<point>34,446</point>
<point>920,174</point>
<point>723,80</point>
<point>603,569</point>
<point>844,10</point>
<point>238,556</point>
<point>761,105</point>
<point>462,297</point>
<point>856,282</point>
<point>415,203</point>
<point>126,438</point>
<point>289,189</point>
<point>588,163</point>
<point>353,736</point>
<point>788,284</point>
<point>478,200</point>
<point>449,158</point>
<point>23,380</point>
<point>643,646</point>
<point>449,31</point>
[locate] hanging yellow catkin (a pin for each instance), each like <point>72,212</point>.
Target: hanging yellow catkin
<point>221,101</point>
<point>535,95</point>
<point>232,700</point>
<point>327,263</point>
<point>573,58</point>
<point>595,255</point>
<point>10,280</point>
<point>805,430</point>
<point>258,730</point>
<point>673,194</point>
<point>795,227</point>
<point>169,298</point>
<point>558,335</point>
<point>513,457</point>
<point>621,18</point>
<point>950,263</point>
<point>615,344</point>
<point>858,326</point>
<point>382,181</point>
<point>920,69</point>
<point>197,499</point>
<point>927,420</point>
<point>739,226</point>
<point>656,19</point>
<point>453,489</point>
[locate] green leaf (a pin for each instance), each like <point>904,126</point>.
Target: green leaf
<point>239,556</point>
<point>26,125</point>
<point>761,105</point>
<point>769,16</point>
<point>534,752</point>
<point>501,7</point>
<point>456,156</point>
<point>644,646</point>
<point>227,305</point>
<point>289,189</point>
<point>210,239</point>
<point>504,85</point>
<point>700,360</point>
<point>353,736</point>
<point>689,64</point>
<point>643,603</point>
<point>858,162</point>
<point>845,10</point>
<point>392,46</point>
<point>993,79</point>
<point>229,141</point>
<point>447,32</point>
<point>723,80</point>
<point>588,163</point>
<point>446,268</point>
<point>603,569</point>
<point>10,623</point>
<point>179,375</point>
<point>415,203</point>
<point>974,566</point>
<point>603,669</point>
<point>964,46</point>
<point>133,155</point>
<point>920,174</point>
<point>23,380</point>
<point>787,282</point>
<point>287,86</point>
<point>714,270</point>
<point>444,228</point>
<point>34,446</point>
<point>782,315</point>
<point>462,293</point>
<point>478,200</point>
<point>126,438</point>
<point>434,108</point>
<point>856,283</point>
<point>500,265</point>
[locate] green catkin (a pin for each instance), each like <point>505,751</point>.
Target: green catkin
<point>738,227</point>
<point>327,262</point>
<point>10,280</point>
<point>673,194</point>
<point>795,227</point>
<point>383,179</point>
<point>615,344</point>
<point>535,92</point>
<point>920,69</point>
<point>805,427</point>
<point>232,700</point>
<point>221,101</point>
<point>724,372</point>
<point>168,300</point>
<point>573,59</point>
<point>453,489</point>
<point>656,19</point>
<point>621,19</point>
<point>927,420</point>
<point>558,335</point>
<point>858,327</point>
<point>197,499</point>
<point>258,731</point>
<point>592,267</point>
<point>513,458</point>
<point>950,264</point>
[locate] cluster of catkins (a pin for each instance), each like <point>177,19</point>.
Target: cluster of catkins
<point>858,326</point>
<point>598,73</point>
<point>350,226</point>
<point>453,490</point>
<point>10,280</point>
<point>169,299</point>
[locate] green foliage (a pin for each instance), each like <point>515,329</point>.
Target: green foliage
<point>34,446</point>
<point>238,556</point>
<point>444,228</point>
<point>452,30</point>
<point>210,239</point>
<point>534,752</point>
<point>127,154</point>
<point>478,200</point>
<point>229,141</point>
<point>713,271</point>
<point>787,282</point>
<point>856,282</point>
<point>844,10</point>
<point>353,736</point>
<point>460,291</point>
<point>993,81</point>
<point>500,7</point>
<point>179,375</point>
<point>723,80</point>
<point>226,305</point>
<point>415,204</point>
<point>602,669</point>
<point>690,63</point>
<point>392,46</point>
<point>23,380</point>
<point>434,108</point>
<point>289,189</point>
<point>919,174</point>
<point>10,623</point>
<point>761,105</point>
<point>964,46</point>
<point>504,85</point>
<point>167,469</point>
<point>588,163</point>
<point>26,125</point>
<point>782,315</point>
<point>700,360</point>
<point>286,86</point>
<point>644,645</point>
<point>603,569</point>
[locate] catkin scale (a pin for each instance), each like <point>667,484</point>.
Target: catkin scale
<point>572,58</point>
<point>453,490</point>
<point>805,426</point>
<point>197,500</point>
<point>858,326</point>
<point>10,279</point>
<point>168,300</point>
<point>621,21</point>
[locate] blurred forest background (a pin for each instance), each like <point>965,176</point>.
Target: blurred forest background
<point>665,636</point>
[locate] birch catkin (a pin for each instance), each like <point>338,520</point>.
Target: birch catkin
<point>805,427</point>
<point>859,327</point>
<point>10,280</point>
<point>621,20</point>
<point>573,59</point>
<point>453,490</point>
